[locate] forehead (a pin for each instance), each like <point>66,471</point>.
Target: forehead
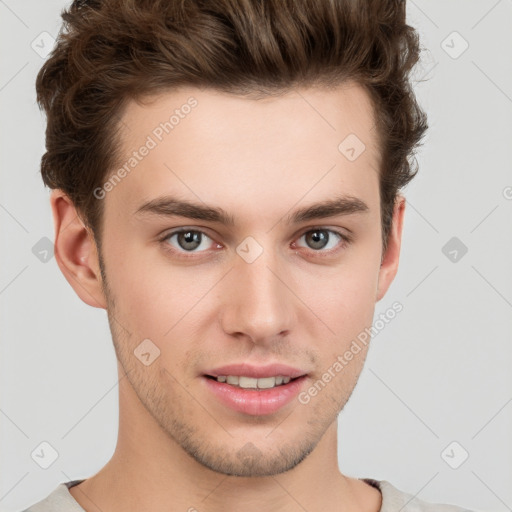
<point>221,148</point>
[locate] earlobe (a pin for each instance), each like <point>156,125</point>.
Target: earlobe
<point>390,259</point>
<point>75,251</point>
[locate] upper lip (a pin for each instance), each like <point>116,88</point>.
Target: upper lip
<point>257,372</point>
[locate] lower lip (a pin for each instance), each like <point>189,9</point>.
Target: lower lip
<point>252,401</point>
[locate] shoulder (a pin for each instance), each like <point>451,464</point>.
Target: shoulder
<point>394,500</point>
<point>59,500</point>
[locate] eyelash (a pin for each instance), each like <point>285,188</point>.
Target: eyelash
<point>345,241</point>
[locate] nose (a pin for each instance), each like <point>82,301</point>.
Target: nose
<point>257,301</point>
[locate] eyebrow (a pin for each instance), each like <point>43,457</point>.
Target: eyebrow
<point>168,206</point>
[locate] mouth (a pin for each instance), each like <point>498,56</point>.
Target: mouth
<point>245,382</point>
<point>255,391</point>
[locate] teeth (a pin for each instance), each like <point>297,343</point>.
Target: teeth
<point>253,383</point>
<point>266,382</point>
<point>247,382</point>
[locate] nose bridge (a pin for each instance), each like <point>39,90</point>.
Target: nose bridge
<point>259,304</point>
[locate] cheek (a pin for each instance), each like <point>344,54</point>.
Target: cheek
<point>142,292</point>
<point>343,298</point>
<point>155,299</point>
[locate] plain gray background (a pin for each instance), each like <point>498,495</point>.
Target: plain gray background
<point>437,384</point>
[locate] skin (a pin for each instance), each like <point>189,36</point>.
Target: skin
<point>178,447</point>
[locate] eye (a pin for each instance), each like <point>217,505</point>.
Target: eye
<point>187,240</point>
<point>190,241</point>
<point>324,240</point>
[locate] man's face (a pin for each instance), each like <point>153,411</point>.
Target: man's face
<point>265,290</point>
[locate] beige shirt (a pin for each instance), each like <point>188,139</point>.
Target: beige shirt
<point>393,500</point>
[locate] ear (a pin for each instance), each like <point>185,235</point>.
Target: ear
<point>390,258</point>
<point>75,251</point>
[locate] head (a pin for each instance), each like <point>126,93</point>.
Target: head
<point>254,112</point>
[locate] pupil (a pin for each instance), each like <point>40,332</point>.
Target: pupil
<point>319,239</point>
<point>191,239</point>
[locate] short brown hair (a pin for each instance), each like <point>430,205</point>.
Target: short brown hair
<point>111,51</point>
